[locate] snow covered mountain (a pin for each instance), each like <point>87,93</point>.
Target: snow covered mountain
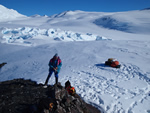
<point>7,14</point>
<point>132,21</point>
<point>84,41</point>
<point>99,25</point>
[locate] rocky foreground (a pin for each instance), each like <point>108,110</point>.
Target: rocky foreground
<point>26,96</point>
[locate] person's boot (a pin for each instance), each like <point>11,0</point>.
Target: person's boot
<point>46,82</point>
<point>56,80</point>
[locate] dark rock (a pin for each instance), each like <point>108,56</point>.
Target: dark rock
<point>26,96</point>
<point>2,64</point>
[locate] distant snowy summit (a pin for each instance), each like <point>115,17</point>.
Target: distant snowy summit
<point>7,14</point>
<point>67,13</point>
<point>146,8</point>
<point>36,15</point>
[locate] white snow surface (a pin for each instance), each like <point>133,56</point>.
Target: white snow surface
<point>84,41</point>
<point>7,14</point>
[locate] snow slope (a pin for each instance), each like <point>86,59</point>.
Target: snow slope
<point>27,45</point>
<point>90,22</point>
<point>117,90</point>
<point>132,21</point>
<point>7,14</point>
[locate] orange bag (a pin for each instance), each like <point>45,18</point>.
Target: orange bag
<point>114,64</point>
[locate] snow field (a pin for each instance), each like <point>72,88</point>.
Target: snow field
<point>123,90</point>
<point>117,90</point>
<point>25,35</point>
<point>7,14</point>
<point>28,43</point>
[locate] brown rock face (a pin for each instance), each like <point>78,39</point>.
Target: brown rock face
<point>26,96</point>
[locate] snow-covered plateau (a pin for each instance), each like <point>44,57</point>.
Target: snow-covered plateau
<point>84,41</point>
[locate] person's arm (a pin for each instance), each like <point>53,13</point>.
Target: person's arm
<point>60,64</point>
<point>58,67</point>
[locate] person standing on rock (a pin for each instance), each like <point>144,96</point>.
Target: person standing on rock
<point>54,66</point>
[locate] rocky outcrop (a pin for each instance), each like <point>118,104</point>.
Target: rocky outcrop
<point>26,96</point>
<point>2,64</point>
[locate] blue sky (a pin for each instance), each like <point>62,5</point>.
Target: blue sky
<point>50,7</point>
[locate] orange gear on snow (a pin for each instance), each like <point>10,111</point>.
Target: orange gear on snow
<point>114,64</point>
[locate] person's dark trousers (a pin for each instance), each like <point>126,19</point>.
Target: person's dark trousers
<point>47,79</point>
<point>49,75</point>
<point>56,78</point>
